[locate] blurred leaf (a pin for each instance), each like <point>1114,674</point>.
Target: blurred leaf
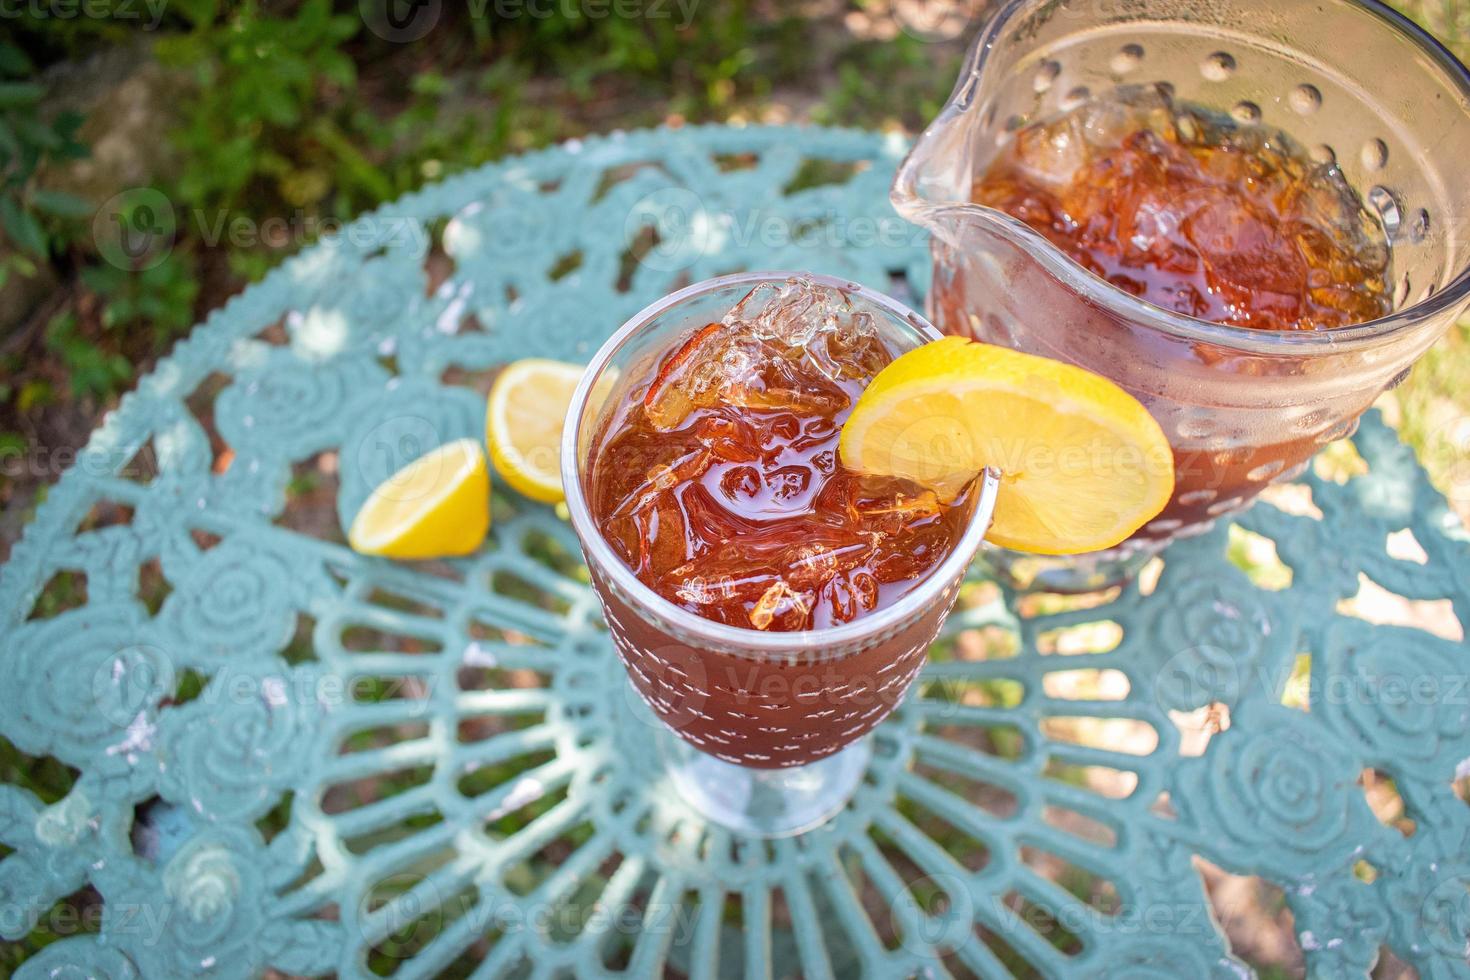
<point>200,13</point>
<point>358,166</point>
<point>31,130</point>
<point>14,61</point>
<point>339,68</point>
<point>33,393</point>
<point>16,94</point>
<point>22,264</point>
<point>24,231</point>
<point>66,127</point>
<point>428,83</point>
<point>61,204</point>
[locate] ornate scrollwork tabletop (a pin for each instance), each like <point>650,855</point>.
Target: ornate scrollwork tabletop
<point>290,757</point>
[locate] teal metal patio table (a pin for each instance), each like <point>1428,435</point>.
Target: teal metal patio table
<point>292,758</point>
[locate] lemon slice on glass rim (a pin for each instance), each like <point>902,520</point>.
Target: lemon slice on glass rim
<point>1083,465</point>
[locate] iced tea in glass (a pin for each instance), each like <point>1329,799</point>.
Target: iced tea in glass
<point>770,605</point>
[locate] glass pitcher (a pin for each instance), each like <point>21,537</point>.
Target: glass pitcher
<point>1365,89</point>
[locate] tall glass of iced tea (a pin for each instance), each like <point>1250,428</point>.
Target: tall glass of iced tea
<point>1251,215</point>
<point>770,605</point>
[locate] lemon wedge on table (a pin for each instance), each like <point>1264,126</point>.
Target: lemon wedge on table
<point>436,506</point>
<point>1083,465</point>
<point>523,422</point>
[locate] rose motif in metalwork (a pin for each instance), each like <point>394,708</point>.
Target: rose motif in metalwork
<point>292,407</point>
<point>246,738</point>
<point>1447,915</point>
<point>78,683</point>
<point>1196,677</point>
<point>1219,611</point>
<point>383,294</point>
<point>394,429</point>
<point>234,604</point>
<point>549,324</point>
<point>30,883</point>
<point>1212,633</point>
<point>1401,695</point>
<point>505,226</point>
<point>212,895</point>
<point>1278,785</point>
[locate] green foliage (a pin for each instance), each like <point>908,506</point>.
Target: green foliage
<point>158,299</point>
<point>257,80</point>
<point>37,222</point>
<point>883,83</point>
<point>93,371</point>
<point>1430,411</point>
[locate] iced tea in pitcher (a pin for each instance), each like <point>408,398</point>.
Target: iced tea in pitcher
<point>1205,216</point>
<point>1196,213</point>
<point>1249,216</point>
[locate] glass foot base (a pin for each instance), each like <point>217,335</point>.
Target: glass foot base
<point>1068,574</point>
<point>764,802</point>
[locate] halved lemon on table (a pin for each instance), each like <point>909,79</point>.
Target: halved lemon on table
<point>1083,465</point>
<point>435,507</point>
<point>523,422</point>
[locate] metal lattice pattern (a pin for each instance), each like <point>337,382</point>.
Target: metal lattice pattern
<point>293,757</point>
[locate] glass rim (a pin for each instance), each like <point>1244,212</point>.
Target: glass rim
<point>601,555</point>
<point>1294,343</point>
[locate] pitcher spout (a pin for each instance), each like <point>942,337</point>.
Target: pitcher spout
<point>934,180</point>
